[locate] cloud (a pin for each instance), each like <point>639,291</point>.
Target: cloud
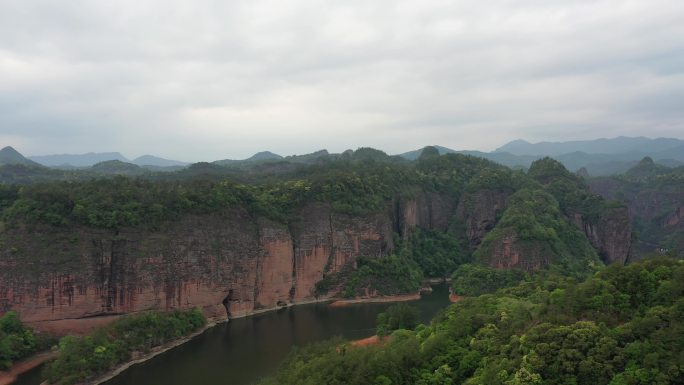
<point>208,79</point>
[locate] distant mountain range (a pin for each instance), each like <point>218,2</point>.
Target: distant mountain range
<point>90,159</point>
<point>598,157</point>
<point>619,145</point>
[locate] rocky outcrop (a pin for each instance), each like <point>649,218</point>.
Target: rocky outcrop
<point>480,212</point>
<point>229,264</point>
<point>611,234</point>
<point>509,252</point>
<point>657,209</point>
<point>675,218</point>
<point>427,210</point>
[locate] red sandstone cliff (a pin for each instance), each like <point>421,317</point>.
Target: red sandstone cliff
<point>229,264</point>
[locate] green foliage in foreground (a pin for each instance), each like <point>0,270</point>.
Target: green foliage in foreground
<point>624,325</point>
<point>390,275</point>
<point>399,316</point>
<point>86,357</point>
<point>17,341</point>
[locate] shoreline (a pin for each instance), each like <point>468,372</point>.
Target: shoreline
<point>173,344</point>
<point>382,299</point>
<point>155,352</point>
<point>210,324</point>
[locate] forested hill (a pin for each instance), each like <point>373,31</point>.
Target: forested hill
<point>362,224</point>
<point>622,326</point>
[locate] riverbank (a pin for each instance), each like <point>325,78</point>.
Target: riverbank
<point>153,353</point>
<point>164,348</point>
<point>8,377</point>
<point>387,298</point>
<point>213,322</point>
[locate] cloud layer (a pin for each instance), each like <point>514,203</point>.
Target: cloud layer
<point>206,80</point>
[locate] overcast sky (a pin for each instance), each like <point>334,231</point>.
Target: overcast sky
<point>205,80</point>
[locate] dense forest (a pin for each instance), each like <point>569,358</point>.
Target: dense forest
<point>360,183</point>
<point>523,247</point>
<point>622,325</point>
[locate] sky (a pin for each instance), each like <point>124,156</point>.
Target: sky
<point>204,80</point>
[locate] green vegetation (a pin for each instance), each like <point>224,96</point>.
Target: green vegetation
<point>438,253</point>
<point>388,275</point>
<point>81,358</point>
<point>624,325</point>
<point>535,228</point>
<point>570,190</point>
<point>475,280</point>
<point>399,316</point>
<point>17,341</point>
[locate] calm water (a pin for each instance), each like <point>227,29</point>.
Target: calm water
<point>246,349</point>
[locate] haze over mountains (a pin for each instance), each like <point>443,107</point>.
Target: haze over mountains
<point>599,157</point>
<point>92,158</point>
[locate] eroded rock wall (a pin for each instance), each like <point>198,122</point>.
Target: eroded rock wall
<point>229,264</point>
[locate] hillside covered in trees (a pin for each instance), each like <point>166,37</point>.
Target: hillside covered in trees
<point>623,325</point>
<point>470,209</point>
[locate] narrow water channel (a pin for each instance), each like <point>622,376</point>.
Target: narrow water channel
<point>246,349</point>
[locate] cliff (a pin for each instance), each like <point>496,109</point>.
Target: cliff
<point>480,212</point>
<point>234,261</point>
<point>611,234</point>
<point>656,212</point>
<point>229,263</point>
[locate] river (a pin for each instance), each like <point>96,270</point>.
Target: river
<point>244,350</point>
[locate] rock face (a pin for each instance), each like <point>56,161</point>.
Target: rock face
<point>229,264</point>
<point>479,211</point>
<point>512,254</point>
<point>611,235</point>
<point>427,210</point>
<point>658,211</point>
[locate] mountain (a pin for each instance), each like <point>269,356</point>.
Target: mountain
<point>9,155</point>
<point>617,145</point>
<point>78,160</point>
<point>231,247</point>
<point>151,160</point>
<point>308,158</point>
<point>647,168</point>
<point>117,167</point>
<point>262,156</point>
<point>413,155</point>
<point>599,157</point>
